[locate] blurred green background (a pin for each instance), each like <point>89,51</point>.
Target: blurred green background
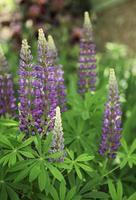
<point>114,24</point>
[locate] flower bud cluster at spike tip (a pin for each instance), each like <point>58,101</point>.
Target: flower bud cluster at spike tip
<point>42,48</point>
<point>87,60</point>
<point>7,97</point>
<point>3,62</point>
<point>58,139</point>
<point>111,131</point>
<point>25,89</point>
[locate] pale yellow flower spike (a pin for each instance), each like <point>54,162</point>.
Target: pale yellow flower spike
<point>58,121</point>
<point>41,36</point>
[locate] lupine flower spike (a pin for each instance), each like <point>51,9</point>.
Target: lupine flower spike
<point>87,60</point>
<point>25,89</point>
<point>111,131</point>
<point>51,85</point>
<point>42,61</point>
<point>61,89</point>
<point>58,139</point>
<point>7,97</point>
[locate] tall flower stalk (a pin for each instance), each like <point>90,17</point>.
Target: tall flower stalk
<point>87,60</point>
<point>55,84</point>
<point>7,96</point>
<point>25,89</point>
<point>58,139</point>
<point>61,89</point>
<point>111,131</point>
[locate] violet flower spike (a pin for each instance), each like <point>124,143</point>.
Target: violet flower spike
<point>58,139</point>
<point>51,84</point>
<point>25,89</point>
<point>42,61</point>
<point>111,131</point>
<point>7,96</point>
<point>87,60</point>
<point>61,89</point>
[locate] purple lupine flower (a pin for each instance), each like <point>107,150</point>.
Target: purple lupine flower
<point>61,89</point>
<point>2,99</point>
<point>112,120</point>
<point>58,139</point>
<point>42,61</point>
<point>25,89</point>
<point>10,100</point>
<point>51,85</point>
<point>38,99</point>
<point>87,60</point>
<point>7,97</point>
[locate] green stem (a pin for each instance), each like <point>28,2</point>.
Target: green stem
<point>110,171</point>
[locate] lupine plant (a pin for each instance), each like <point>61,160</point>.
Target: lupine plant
<point>49,154</point>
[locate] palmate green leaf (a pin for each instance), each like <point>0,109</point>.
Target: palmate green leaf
<point>112,190</point>
<point>84,157</point>
<point>38,144</point>
<point>133,147</point>
<point>78,171</point>
<point>20,137</point>
<point>34,172</point>
<point>26,142</point>
<point>53,193</point>
<point>85,167</point>
<point>4,140</point>
<point>55,172</point>
<point>71,154</point>
<point>124,145</point>
<point>119,190</point>
<point>24,173</point>
<point>43,178</point>
<point>62,190</point>
<point>13,159</point>
<point>9,122</point>
<point>21,165</point>
<point>27,154</point>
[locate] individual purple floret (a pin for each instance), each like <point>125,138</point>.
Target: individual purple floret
<point>25,89</point>
<point>87,60</point>
<point>7,97</point>
<point>112,120</point>
<point>58,139</point>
